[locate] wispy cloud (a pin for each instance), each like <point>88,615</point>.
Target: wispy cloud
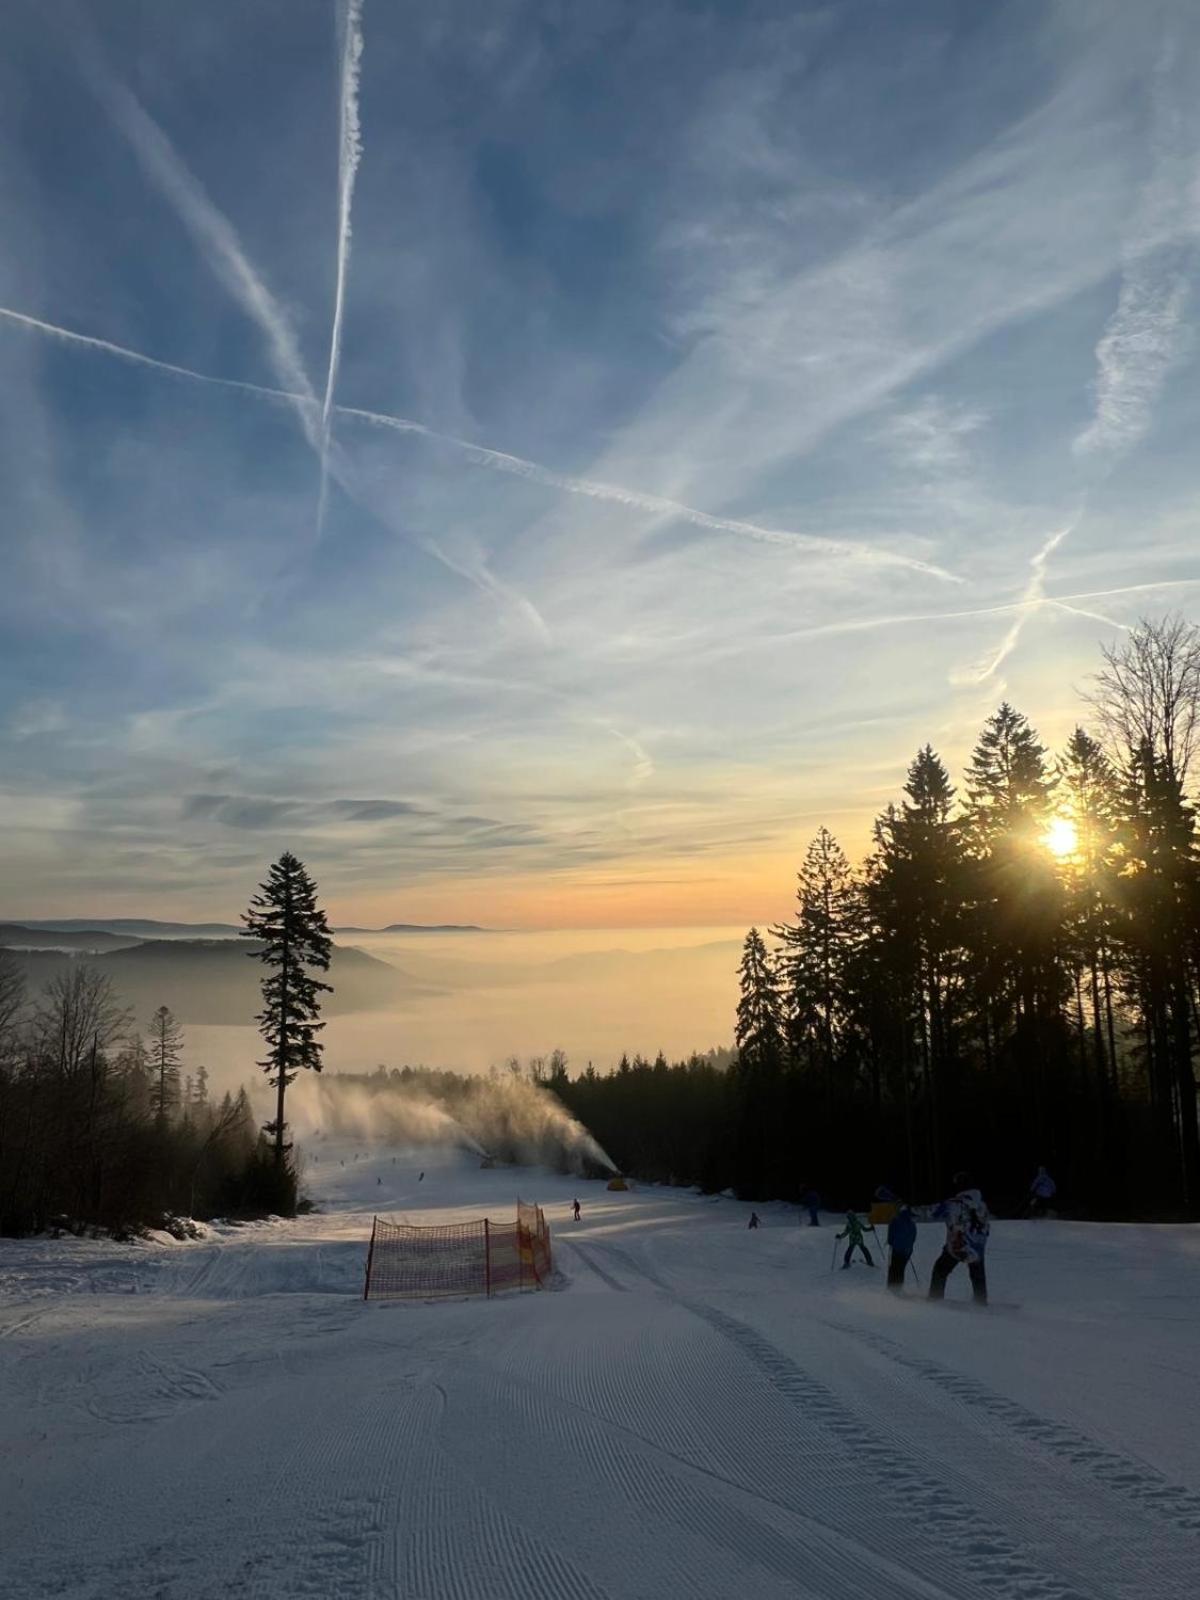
<point>349,155</point>
<point>1142,340</point>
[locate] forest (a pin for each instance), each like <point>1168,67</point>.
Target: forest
<point>1012,978</point>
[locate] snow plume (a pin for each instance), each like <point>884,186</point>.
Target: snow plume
<point>349,155</point>
<point>523,1122</point>
<point>356,1109</point>
<point>507,1117</point>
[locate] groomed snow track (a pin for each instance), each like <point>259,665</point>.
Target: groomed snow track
<point>700,1412</point>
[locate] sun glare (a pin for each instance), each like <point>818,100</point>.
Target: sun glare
<point>1061,838</point>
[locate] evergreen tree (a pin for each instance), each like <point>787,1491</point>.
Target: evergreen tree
<point>1089,802</point>
<point>165,1051</point>
<point>759,1031</point>
<point>816,955</point>
<point>293,936</point>
<point>916,885</point>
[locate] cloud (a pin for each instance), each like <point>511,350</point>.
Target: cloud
<point>1143,338</point>
<point>375,810</point>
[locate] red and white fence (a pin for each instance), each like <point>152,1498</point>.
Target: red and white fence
<point>484,1257</point>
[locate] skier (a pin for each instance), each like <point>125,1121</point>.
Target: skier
<point>854,1232</point>
<point>421,1178</point>
<point>812,1204</point>
<point>1041,1192</point>
<point>967,1229</point>
<point>901,1237</point>
<point>753,1223</point>
<point>378,1180</point>
<point>576,1208</point>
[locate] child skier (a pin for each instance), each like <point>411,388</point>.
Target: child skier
<point>575,1209</point>
<point>753,1223</point>
<point>967,1229</point>
<point>854,1232</point>
<point>901,1237</point>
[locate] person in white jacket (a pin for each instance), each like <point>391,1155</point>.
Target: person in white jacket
<point>968,1225</point>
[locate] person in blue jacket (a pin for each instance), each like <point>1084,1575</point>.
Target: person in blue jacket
<point>901,1238</point>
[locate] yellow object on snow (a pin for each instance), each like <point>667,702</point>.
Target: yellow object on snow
<point>617,1183</point>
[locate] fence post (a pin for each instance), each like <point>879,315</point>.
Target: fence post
<point>370,1254</point>
<point>487,1258</point>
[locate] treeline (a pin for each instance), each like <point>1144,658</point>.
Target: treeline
<point>98,1128</point>
<point>1011,978</point>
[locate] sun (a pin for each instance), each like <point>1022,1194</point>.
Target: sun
<point>1061,838</point>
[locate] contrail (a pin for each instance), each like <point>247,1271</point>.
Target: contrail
<point>215,236</point>
<point>124,353</point>
<point>1032,600</point>
<point>349,154</point>
<point>498,460</point>
<point>637,499</point>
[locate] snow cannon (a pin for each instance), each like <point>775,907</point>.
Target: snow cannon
<point>618,1183</point>
<point>487,1163</point>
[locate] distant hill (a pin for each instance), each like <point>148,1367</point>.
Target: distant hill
<point>146,928</point>
<point>420,927</point>
<point>215,981</point>
<point>90,939</point>
<point>136,927</point>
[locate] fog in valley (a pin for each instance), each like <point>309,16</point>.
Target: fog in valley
<point>470,1001</point>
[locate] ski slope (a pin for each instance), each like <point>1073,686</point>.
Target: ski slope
<point>697,1411</point>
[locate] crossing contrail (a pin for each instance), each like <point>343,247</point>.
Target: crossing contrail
<point>636,499</point>
<point>349,154</point>
<point>501,461</point>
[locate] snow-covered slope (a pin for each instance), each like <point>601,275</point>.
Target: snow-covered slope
<point>700,1411</point>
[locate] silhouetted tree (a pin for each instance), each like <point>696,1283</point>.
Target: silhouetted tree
<point>293,936</point>
<point>166,1049</point>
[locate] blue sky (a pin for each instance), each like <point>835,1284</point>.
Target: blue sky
<point>636,428</point>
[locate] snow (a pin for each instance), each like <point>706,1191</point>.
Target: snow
<point>701,1411</point>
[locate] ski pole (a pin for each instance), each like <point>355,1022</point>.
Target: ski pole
<point>833,1257</point>
<point>915,1273</point>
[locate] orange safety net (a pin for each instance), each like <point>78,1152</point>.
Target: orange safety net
<point>485,1257</point>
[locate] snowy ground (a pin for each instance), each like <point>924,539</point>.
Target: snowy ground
<point>699,1412</point>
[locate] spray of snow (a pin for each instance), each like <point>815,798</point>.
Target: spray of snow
<point>348,1109</point>
<point>349,155</point>
<point>523,1122</point>
<point>509,1118</point>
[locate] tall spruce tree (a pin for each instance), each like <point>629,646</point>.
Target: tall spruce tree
<point>815,957</point>
<point>166,1050</point>
<point>759,1030</point>
<point>916,884</point>
<point>293,936</point>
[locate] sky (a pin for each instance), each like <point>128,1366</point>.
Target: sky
<point>541,462</point>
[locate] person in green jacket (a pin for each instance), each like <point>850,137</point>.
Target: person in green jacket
<point>854,1232</point>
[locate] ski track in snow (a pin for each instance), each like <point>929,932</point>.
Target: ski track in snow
<point>1170,1500</point>
<point>695,1414</point>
